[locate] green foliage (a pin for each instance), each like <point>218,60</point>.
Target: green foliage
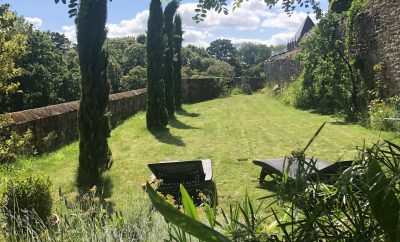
<point>168,74</point>
<point>178,32</point>
<point>13,145</point>
<point>356,7</point>
<point>91,218</point>
<point>51,73</point>
<point>292,94</point>
<point>221,69</point>
<point>141,39</point>
<point>195,61</point>
<point>382,196</point>
<point>326,82</point>
<point>125,54</point>
<point>251,57</point>
<point>349,208</point>
<point>187,223</point>
<point>45,73</point>
<point>156,116</point>
<point>244,222</point>
<point>135,79</point>
<point>26,202</point>
<point>339,6</point>
<point>94,153</point>
<point>243,88</point>
<point>223,49</point>
<point>236,91</point>
<point>13,47</point>
<point>379,109</point>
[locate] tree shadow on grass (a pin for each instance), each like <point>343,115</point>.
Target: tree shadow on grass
<point>105,193</point>
<point>164,136</point>
<point>95,197</point>
<point>174,122</point>
<point>183,112</point>
<point>343,122</point>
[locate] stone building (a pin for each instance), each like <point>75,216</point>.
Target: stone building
<point>281,67</point>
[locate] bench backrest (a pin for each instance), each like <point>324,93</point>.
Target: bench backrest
<point>179,172</point>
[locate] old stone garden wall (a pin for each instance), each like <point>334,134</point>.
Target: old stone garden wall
<point>200,89</point>
<point>378,41</point>
<point>57,125</point>
<point>282,69</point>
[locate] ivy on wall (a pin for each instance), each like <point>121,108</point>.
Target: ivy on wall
<point>330,79</point>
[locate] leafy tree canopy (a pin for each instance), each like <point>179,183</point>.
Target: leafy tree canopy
<point>222,49</point>
<point>12,48</point>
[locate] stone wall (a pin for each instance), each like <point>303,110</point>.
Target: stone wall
<point>378,41</point>
<point>282,69</point>
<point>56,125</point>
<point>201,89</point>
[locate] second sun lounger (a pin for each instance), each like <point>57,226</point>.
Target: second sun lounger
<point>318,168</point>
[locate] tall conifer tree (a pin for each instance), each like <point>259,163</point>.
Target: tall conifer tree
<point>178,62</point>
<point>94,129</point>
<point>169,14</point>
<point>156,116</point>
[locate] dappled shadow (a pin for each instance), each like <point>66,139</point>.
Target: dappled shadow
<point>339,123</point>
<point>270,185</point>
<point>95,197</point>
<point>174,122</point>
<point>105,192</point>
<point>164,136</point>
<point>183,112</point>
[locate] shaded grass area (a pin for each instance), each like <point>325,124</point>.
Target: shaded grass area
<point>230,131</point>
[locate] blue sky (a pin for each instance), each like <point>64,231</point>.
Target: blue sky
<point>253,22</point>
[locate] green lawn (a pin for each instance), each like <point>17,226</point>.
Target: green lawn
<point>229,131</point>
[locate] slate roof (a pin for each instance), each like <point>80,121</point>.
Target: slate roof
<point>307,25</point>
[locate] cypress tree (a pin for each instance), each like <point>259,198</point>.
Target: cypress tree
<point>156,116</point>
<point>94,129</point>
<point>178,62</point>
<point>169,13</point>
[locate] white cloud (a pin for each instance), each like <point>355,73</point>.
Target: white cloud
<point>276,39</point>
<point>69,32</point>
<point>36,22</point>
<point>252,15</point>
<point>131,27</point>
<point>283,21</point>
<point>197,37</point>
<point>249,16</point>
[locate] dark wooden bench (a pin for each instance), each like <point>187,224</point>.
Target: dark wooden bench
<point>194,175</point>
<point>318,168</point>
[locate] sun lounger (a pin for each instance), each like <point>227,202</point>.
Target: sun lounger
<point>318,168</point>
<point>195,176</point>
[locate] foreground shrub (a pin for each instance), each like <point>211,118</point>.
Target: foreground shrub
<point>26,202</point>
<point>12,144</point>
<point>381,109</point>
<point>92,218</point>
